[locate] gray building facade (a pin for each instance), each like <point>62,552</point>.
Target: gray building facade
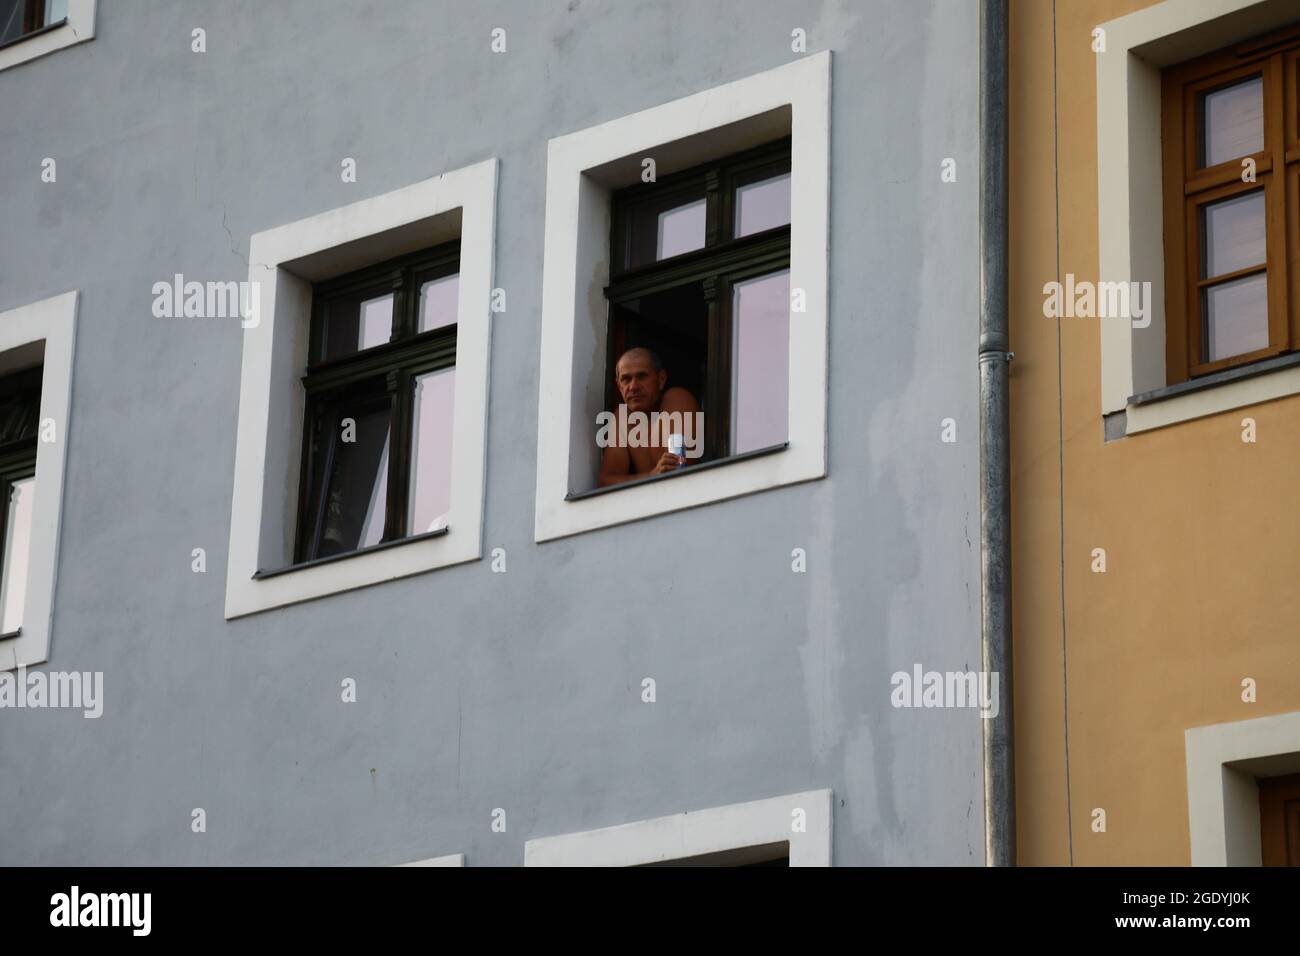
<point>501,698</point>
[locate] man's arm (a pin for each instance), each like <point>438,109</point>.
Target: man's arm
<point>679,402</point>
<point>615,466</point>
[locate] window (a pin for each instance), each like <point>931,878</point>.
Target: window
<point>20,405</point>
<point>1279,816</point>
<point>1230,252</point>
<point>380,396</point>
<point>721,264</point>
<point>1233,807</point>
<point>792,830</point>
<point>20,409</point>
<point>1150,377</point>
<point>363,389</point>
<point>21,17</point>
<point>701,278</point>
<point>36,345</point>
<point>33,28</point>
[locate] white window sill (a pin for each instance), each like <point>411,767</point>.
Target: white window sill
<point>1224,391</point>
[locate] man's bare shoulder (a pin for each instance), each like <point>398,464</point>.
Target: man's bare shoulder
<point>678,399</point>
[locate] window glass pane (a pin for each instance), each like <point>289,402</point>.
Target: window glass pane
<point>1232,122</point>
<point>1232,234</point>
<point>11,20</point>
<point>435,396</point>
<point>681,230</point>
<point>763,205</point>
<point>55,10</point>
<point>664,227</point>
<point>760,361</point>
<point>1236,317</point>
<point>357,322</point>
<point>438,299</point>
<point>18,534</point>
<point>355,459</point>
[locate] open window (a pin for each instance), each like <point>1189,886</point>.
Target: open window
<point>701,279</point>
<point>19,18</point>
<point>380,386</point>
<point>20,415</point>
<point>713,271</point>
<point>363,394</point>
<point>33,28</point>
<point>36,349</point>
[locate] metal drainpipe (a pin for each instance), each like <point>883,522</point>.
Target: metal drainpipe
<point>995,472</point>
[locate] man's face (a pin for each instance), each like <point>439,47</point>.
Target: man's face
<point>639,383</point>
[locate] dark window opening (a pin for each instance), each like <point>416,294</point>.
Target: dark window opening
<point>769,854</point>
<point>701,262</point>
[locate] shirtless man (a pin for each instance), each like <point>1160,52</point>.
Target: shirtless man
<point>640,378</point>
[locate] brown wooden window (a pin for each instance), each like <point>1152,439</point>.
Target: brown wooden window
<point>1279,819</point>
<point>700,275</point>
<point>1232,239</point>
<point>380,383</point>
<point>19,18</point>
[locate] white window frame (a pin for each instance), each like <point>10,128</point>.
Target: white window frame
<point>1223,763</point>
<point>51,324</point>
<point>697,833</point>
<point>283,262</point>
<point>1130,199</point>
<point>79,28</point>
<point>583,168</point>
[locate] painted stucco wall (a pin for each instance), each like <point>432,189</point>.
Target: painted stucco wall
<point>478,690</point>
<point>1201,543</point>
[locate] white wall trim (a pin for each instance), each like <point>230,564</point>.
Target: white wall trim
<point>53,322</point>
<point>283,262</point>
<point>79,28</point>
<point>696,833</point>
<point>582,168</point>
<point>1223,762</point>
<point>1130,206</point>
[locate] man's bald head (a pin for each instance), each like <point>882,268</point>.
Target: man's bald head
<point>640,376</point>
<point>652,357</point>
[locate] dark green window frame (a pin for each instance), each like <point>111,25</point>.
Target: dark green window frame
<point>723,261</point>
<point>384,375</point>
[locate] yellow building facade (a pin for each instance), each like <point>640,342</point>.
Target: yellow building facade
<point>1156,544</point>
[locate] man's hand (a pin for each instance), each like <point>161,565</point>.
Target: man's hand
<point>668,462</point>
